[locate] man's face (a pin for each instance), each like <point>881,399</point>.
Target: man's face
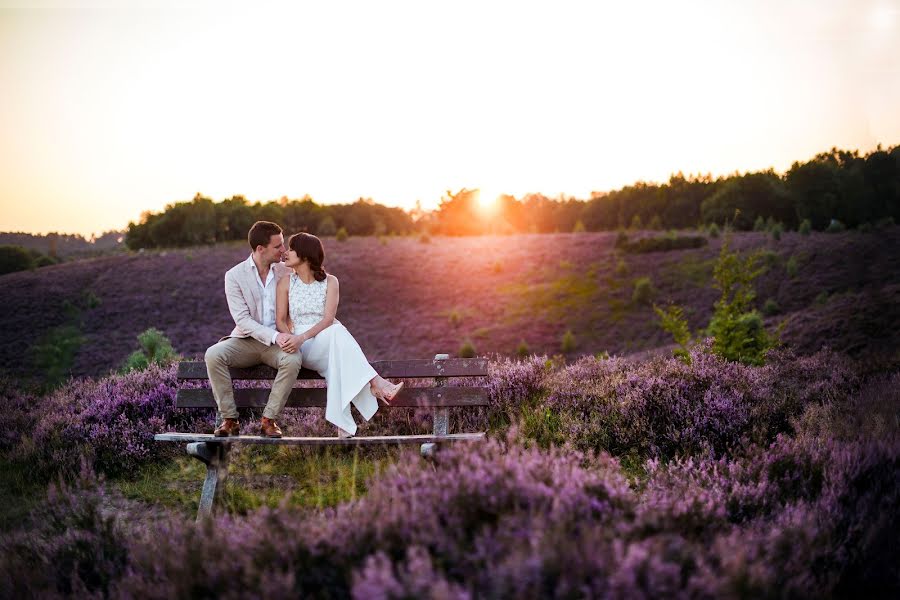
<point>275,251</point>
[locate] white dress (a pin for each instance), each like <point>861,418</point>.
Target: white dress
<point>334,354</point>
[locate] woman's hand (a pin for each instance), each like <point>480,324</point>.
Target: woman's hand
<point>299,339</point>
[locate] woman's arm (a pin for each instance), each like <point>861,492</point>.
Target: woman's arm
<point>331,303</point>
<point>282,316</point>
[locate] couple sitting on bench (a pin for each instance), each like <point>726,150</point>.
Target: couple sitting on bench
<point>284,306</point>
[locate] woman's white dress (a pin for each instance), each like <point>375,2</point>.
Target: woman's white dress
<point>334,354</point>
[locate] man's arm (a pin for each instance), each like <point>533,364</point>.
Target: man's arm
<point>240,312</point>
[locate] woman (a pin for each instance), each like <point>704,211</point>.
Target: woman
<point>306,304</point>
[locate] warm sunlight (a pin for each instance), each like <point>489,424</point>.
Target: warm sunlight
<point>487,200</point>
<point>110,111</point>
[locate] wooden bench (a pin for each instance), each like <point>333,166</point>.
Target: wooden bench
<point>213,451</point>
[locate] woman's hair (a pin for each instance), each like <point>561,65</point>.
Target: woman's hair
<point>309,248</point>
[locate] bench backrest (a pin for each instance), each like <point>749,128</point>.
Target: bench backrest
<point>437,396</point>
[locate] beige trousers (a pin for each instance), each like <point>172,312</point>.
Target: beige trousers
<point>247,352</point>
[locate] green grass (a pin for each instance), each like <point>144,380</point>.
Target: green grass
<point>261,476</point>
<point>571,292</point>
<point>20,492</point>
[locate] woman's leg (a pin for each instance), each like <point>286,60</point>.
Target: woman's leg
<point>347,374</point>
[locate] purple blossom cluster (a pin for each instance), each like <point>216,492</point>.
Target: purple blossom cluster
<point>799,518</point>
<point>663,408</point>
<point>108,422</point>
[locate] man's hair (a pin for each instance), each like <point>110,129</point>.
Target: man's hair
<point>261,233</point>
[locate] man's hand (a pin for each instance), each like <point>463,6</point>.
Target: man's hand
<point>288,342</point>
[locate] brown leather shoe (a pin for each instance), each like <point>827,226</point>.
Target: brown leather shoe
<point>270,428</point>
<point>229,427</point>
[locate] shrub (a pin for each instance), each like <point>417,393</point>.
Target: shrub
<point>805,227</point>
<point>791,267</point>
<point>621,268</point>
<point>424,239</point>
<point>821,298</point>
<point>522,349</point>
<point>341,235</point>
<point>673,321</point>
<point>835,226</point>
<point>776,231</point>
<point>636,222</point>
<point>621,239</point>
<point>568,342</point>
<point>467,350</point>
<point>713,230</point>
<point>55,353</point>
<point>759,224</point>
<point>579,227</point>
<point>155,349</point>
<point>14,258</point>
<point>770,307</point>
<point>865,228</point>
<point>109,422</point>
<point>663,244</point>
<point>737,329</point>
<point>643,291</point>
<point>655,223</point>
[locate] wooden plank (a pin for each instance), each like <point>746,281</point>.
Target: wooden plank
<point>315,397</point>
<point>320,441</point>
<point>453,367</point>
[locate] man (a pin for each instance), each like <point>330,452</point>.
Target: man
<point>250,291</point>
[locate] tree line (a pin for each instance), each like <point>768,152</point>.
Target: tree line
<point>838,186</point>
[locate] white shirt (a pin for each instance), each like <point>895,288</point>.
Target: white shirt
<point>268,297</point>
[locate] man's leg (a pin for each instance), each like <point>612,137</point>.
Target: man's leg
<point>231,352</point>
<point>288,365</point>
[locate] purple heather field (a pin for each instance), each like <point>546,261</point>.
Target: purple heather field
<point>632,475</point>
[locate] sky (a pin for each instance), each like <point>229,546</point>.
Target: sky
<point>110,109</point>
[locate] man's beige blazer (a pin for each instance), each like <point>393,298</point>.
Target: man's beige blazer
<point>245,299</point>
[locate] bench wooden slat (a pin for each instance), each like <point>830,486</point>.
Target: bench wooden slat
<point>315,397</point>
<point>453,367</point>
<point>318,441</point>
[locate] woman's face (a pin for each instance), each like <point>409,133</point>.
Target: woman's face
<point>292,259</point>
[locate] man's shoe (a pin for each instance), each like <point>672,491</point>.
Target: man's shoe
<point>229,427</point>
<point>270,428</point>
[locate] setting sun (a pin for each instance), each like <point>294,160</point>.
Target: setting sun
<point>487,200</point>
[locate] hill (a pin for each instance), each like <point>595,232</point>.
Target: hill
<point>404,298</point>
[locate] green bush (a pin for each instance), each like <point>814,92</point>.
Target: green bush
<point>522,350</point>
<point>770,307</point>
<point>621,239</point>
<point>643,291</point>
<point>759,224</point>
<point>655,223</point>
<point>14,258</point>
<point>636,222</point>
<point>579,227</point>
<point>663,244</point>
<point>467,350</point>
<point>805,227</point>
<point>835,227</point>
<point>341,235</point>
<point>713,230</point>
<point>155,348</point>
<point>55,353</point>
<point>672,320</point>
<point>737,329</point>
<point>326,226</point>
<point>791,266</point>
<point>621,268</point>
<point>568,341</point>
<point>776,231</point>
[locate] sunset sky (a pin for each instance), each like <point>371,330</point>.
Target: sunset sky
<point>108,109</point>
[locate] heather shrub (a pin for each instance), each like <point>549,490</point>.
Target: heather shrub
<point>155,348</point>
<point>74,550</point>
<point>110,422</point>
<point>514,384</point>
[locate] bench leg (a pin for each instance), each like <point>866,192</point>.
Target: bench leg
<point>215,457</point>
<point>441,427</point>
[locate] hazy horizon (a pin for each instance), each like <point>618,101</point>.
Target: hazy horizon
<point>109,112</point>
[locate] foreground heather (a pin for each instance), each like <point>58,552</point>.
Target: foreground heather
<point>801,518</point>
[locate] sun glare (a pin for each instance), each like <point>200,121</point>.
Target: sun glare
<point>487,200</point>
